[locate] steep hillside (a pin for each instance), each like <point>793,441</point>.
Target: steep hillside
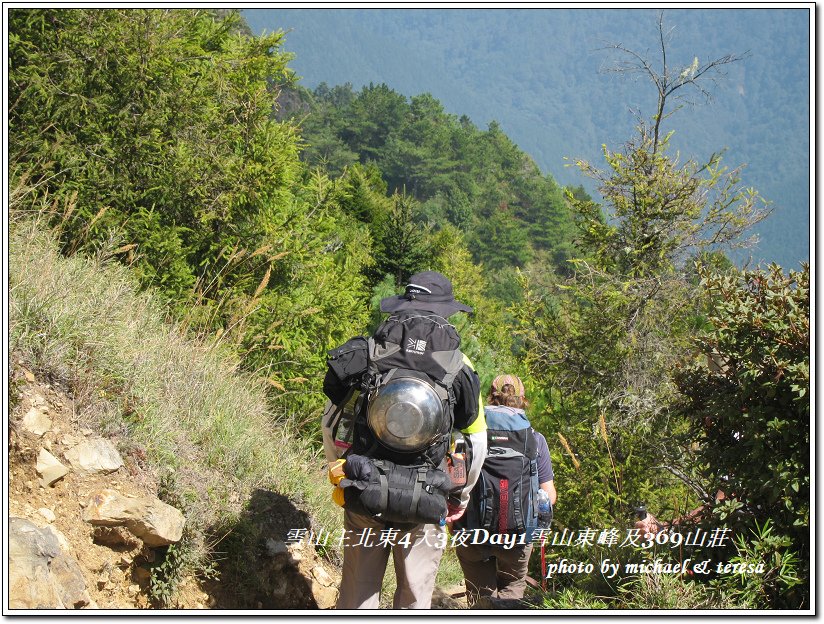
<point>93,361</point>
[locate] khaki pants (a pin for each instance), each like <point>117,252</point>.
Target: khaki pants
<point>364,566</point>
<point>494,571</point>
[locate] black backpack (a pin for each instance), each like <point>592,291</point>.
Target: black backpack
<point>504,499</point>
<point>392,485</point>
<point>420,345</point>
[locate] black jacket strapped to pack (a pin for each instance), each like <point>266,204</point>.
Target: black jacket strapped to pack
<point>394,493</point>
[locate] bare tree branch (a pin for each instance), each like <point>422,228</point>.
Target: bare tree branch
<point>668,83</point>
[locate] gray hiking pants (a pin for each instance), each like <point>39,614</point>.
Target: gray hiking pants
<point>416,565</point>
<point>494,571</point>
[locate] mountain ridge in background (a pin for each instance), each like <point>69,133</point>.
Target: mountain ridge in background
<point>539,72</point>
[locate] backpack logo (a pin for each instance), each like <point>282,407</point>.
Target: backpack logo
<point>416,346</point>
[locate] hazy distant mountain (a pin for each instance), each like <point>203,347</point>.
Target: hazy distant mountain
<point>537,71</point>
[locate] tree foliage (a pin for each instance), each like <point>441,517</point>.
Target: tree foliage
<point>749,405</point>
<point>607,339</point>
<point>476,180</point>
<point>152,130</point>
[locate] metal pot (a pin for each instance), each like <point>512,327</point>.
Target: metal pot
<point>406,415</point>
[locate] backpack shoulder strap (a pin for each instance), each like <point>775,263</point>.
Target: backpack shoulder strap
<point>452,362</point>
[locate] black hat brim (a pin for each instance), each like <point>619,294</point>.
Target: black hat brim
<point>400,303</point>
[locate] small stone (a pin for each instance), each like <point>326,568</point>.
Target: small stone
<point>27,374</point>
<point>86,432</point>
<point>49,468</point>
<point>322,576</point>
<point>295,550</point>
<point>325,597</point>
<point>141,574</point>
<point>69,440</point>
<point>274,547</point>
<point>125,561</point>
<point>134,589</point>
<point>150,519</point>
<point>48,514</point>
<point>36,421</point>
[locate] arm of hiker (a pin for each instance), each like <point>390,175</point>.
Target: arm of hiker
<point>549,488</point>
<point>650,526</point>
<point>470,420</point>
<point>546,476</point>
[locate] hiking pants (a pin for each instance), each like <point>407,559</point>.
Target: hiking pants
<point>364,565</point>
<point>494,571</point>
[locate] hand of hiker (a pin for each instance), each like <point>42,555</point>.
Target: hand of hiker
<point>650,526</point>
<point>453,512</point>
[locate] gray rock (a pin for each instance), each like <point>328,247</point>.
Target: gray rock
<point>49,468</point>
<point>41,574</point>
<point>150,519</point>
<point>93,456</point>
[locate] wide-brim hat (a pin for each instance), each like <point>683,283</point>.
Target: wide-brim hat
<point>429,291</point>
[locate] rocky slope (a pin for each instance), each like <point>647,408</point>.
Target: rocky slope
<point>87,528</point>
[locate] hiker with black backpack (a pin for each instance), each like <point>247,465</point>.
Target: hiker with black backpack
<point>503,511</point>
<point>395,401</point>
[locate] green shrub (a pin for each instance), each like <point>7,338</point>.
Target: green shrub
<point>749,408</point>
<point>672,592</point>
<point>769,573</point>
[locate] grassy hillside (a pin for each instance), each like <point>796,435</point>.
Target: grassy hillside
<point>205,428</point>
